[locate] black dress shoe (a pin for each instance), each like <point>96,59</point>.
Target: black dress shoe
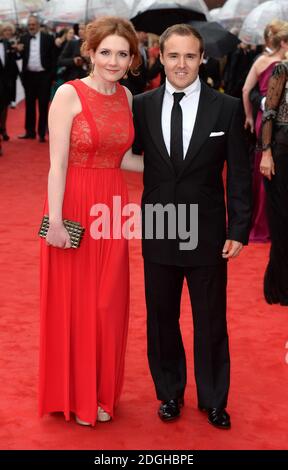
<point>42,139</point>
<point>27,136</point>
<point>218,417</point>
<point>169,410</point>
<point>5,137</point>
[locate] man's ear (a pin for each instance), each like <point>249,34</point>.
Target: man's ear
<point>201,58</point>
<point>161,58</point>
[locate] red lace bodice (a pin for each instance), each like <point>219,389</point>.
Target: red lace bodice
<point>103,131</point>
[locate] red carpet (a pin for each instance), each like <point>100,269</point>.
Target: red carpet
<point>258,337</point>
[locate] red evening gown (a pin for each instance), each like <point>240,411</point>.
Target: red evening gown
<point>85,291</point>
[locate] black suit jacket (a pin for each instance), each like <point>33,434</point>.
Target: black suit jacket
<point>137,83</point>
<point>47,51</point>
<point>66,60</point>
<point>200,180</point>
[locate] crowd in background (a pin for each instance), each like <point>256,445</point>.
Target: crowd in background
<point>45,58</point>
<point>56,58</point>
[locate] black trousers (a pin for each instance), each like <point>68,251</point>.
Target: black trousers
<point>37,86</point>
<point>3,120</point>
<point>166,355</point>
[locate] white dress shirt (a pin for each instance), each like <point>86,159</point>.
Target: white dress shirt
<point>34,61</point>
<point>2,54</point>
<point>189,105</point>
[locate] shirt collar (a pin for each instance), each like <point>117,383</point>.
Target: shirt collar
<point>36,35</point>
<point>194,87</point>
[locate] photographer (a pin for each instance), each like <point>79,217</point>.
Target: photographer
<point>75,64</point>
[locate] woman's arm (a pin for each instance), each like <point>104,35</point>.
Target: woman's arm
<point>275,89</point>
<point>131,161</point>
<point>64,107</point>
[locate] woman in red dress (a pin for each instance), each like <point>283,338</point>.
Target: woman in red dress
<point>85,291</point>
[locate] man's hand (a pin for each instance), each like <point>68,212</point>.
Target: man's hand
<point>231,249</point>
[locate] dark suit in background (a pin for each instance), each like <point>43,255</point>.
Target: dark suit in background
<point>137,83</point>
<point>8,74</point>
<point>37,84</point>
<point>236,70</point>
<point>71,71</point>
<point>209,72</point>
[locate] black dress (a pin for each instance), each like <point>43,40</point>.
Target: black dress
<point>275,131</point>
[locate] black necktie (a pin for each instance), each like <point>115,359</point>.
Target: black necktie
<point>32,36</point>
<point>176,136</point>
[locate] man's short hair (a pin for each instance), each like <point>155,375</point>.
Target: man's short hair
<point>181,30</point>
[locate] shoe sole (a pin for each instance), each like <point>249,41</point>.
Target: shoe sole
<point>225,428</point>
<point>82,423</point>
<point>103,420</point>
<point>168,420</point>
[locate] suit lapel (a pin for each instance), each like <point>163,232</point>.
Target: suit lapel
<point>153,118</point>
<point>207,114</point>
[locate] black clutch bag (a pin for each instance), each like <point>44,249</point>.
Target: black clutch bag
<point>75,230</point>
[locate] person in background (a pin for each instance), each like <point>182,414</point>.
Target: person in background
<point>38,53</point>
<point>71,60</point>
<point>209,72</point>
<point>260,73</point>
<point>274,167</point>
<point>64,36</point>
<point>137,83</point>
<point>8,73</point>
<point>153,56</point>
<point>237,67</point>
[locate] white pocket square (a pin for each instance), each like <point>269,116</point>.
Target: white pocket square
<point>216,134</point>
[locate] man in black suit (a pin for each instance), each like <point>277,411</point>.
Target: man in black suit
<point>187,132</point>
<point>38,54</point>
